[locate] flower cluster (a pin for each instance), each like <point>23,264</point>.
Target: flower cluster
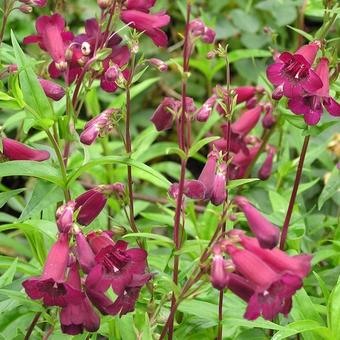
<point>264,278</point>
<point>307,89</point>
<point>80,268</point>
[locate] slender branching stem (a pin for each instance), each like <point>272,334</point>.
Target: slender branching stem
<point>294,193</point>
<point>32,325</point>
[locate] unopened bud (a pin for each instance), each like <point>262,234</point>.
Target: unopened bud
<point>211,54</point>
<point>112,73</point>
<point>104,4</point>
<point>159,64</point>
<point>12,68</point>
<point>25,9</point>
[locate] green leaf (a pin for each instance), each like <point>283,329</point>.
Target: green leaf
<point>22,267</point>
<point>200,144</point>
<point>244,21</point>
<point>5,196</point>
<point>44,195</point>
<point>7,277</point>
<point>332,186</point>
<point>297,121</point>
<point>333,308</point>
<point>117,160</point>
<point>151,236</point>
<point>239,182</point>
<point>119,101</point>
<point>33,93</point>
<point>31,168</point>
<point>8,102</point>
<point>301,32</point>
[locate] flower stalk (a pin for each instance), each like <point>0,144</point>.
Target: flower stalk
<point>285,227</point>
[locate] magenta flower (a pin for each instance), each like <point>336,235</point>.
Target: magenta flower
<point>163,116</point>
<point>199,29</point>
<point>51,89</point>
<point>97,126</point>
<point>91,202</point>
<point>16,151</point>
<point>240,286</point>
<point>159,64</point>
<point>266,233</point>
<point>205,111</point>
<point>219,275</point>
<point>52,38</point>
<point>273,291</point>
<point>192,188</point>
<point>84,253</point>
<point>311,105</point>
<point>64,216</point>
<point>208,174</point>
<point>247,121</point>
<point>137,15</point>
<point>277,259</point>
<point>51,286</point>
<point>219,193</point>
<point>292,73</point>
<point>80,315</point>
<point>244,93</point>
<point>266,169</point>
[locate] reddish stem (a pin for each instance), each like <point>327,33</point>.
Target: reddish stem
<point>32,325</point>
<point>294,193</point>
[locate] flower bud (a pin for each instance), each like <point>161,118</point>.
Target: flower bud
<point>208,36</point>
<point>64,215</point>
<point>197,27</point>
<point>104,4</point>
<point>266,169</point>
<point>112,73</point>
<point>219,275</point>
<point>205,111</point>
<point>52,89</point>
<point>25,9</point>
<point>163,116</point>
<point>159,64</point>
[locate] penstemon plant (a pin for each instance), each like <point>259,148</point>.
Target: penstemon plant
<point>122,221</point>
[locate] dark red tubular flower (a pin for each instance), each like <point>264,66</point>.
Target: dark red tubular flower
<point>84,253</point>
<point>97,126</point>
<point>244,93</point>
<point>16,151</point>
<point>205,111</point>
<point>120,263</point>
<point>219,193</point>
<point>272,291</point>
<point>266,169</point>
<point>80,315</point>
<point>247,121</point>
<point>292,74</point>
<point>51,89</point>
<point>51,286</point>
<point>311,105</point>
<point>193,189</point>
<point>277,259</point>
<point>163,116</point>
<point>266,233</point>
<point>208,174</point>
<point>52,38</point>
<point>64,216</point>
<point>91,202</point>
<point>137,15</point>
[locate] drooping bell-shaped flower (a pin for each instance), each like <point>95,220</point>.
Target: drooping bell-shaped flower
<point>247,121</point>
<point>51,286</point>
<point>266,233</point>
<point>80,315</point>
<point>208,174</point>
<point>163,116</point>
<point>266,169</point>
<point>240,286</point>
<point>16,151</point>
<point>51,89</point>
<point>311,105</point>
<point>292,73</point>
<point>64,216</point>
<point>52,38</point>
<point>205,111</point>
<point>192,188</point>
<point>272,290</point>
<point>138,16</point>
<point>277,259</point>
<point>91,202</point>
<point>97,126</point>
<point>84,253</point>
<point>219,193</point>
<point>244,93</point>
